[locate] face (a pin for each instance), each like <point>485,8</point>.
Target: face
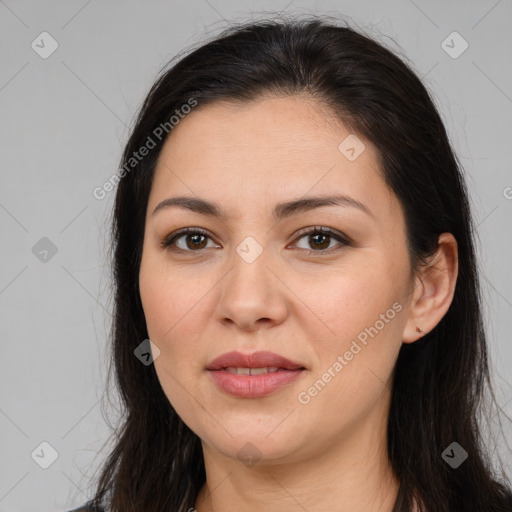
<point>334,302</point>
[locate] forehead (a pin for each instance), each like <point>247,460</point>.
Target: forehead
<point>295,126</point>
<point>269,150</point>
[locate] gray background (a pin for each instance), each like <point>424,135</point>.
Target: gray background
<point>64,121</point>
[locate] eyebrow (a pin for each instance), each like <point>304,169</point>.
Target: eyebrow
<point>281,210</point>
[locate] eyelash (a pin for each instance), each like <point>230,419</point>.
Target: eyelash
<point>168,242</point>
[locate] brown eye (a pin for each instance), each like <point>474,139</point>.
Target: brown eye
<point>187,240</point>
<point>195,241</point>
<point>319,240</point>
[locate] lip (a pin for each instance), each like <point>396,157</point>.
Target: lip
<point>253,386</point>
<point>255,360</point>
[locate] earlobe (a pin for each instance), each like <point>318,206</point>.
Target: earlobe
<point>433,291</point>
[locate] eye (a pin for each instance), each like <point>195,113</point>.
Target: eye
<point>320,239</point>
<point>195,239</point>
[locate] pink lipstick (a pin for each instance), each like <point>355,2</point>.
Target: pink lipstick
<point>253,375</point>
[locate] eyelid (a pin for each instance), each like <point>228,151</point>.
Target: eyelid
<point>343,239</point>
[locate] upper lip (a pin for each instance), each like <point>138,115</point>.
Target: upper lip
<point>256,360</point>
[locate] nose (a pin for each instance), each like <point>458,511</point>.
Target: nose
<point>252,296</point>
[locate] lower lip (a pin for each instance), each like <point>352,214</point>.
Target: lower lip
<point>253,386</point>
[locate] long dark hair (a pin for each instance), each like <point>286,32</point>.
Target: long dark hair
<point>439,383</point>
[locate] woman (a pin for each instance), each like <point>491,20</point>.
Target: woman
<point>292,233</point>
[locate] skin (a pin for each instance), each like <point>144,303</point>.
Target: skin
<point>328,454</point>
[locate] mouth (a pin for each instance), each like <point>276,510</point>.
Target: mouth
<point>253,375</point>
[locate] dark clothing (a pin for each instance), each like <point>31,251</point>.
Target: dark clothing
<point>88,507</point>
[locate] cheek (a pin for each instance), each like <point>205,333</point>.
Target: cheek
<point>362,317</point>
<point>169,300</point>
<point>176,306</point>
<point>351,299</point>
<point>169,306</point>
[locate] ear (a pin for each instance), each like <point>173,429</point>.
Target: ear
<point>433,290</point>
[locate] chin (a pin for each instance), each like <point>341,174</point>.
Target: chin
<point>253,446</point>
